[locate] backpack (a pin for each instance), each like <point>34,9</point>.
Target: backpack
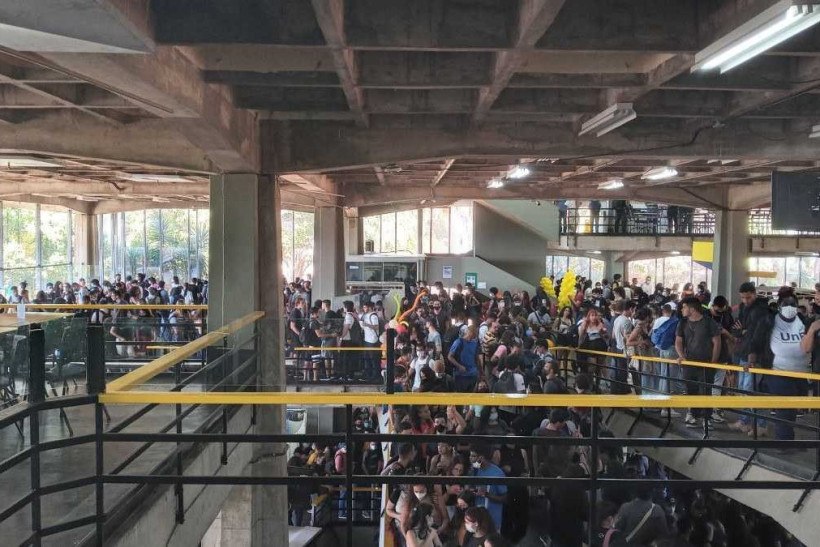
<point>505,383</point>
<point>449,338</point>
<point>664,336</point>
<point>356,333</point>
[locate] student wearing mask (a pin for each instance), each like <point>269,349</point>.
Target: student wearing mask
<point>421,532</point>
<point>790,346</point>
<point>491,497</point>
<point>479,525</point>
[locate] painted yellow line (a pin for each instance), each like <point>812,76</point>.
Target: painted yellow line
<point>110,306</point>
<point>161,364</point>
<point>314,348</point>
<point>443,399</point>
<point>733,368</point>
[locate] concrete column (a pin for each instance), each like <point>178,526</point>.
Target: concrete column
<point>353,233</point>
<point>85,249</point>
<point>245,275</point>
<point>730,265</point>
<point>612,266</point>
<point>328,252</point>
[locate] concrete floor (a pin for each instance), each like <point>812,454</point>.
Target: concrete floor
<point>77,462</point>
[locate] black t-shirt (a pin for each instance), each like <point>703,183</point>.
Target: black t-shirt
<point>371,460</point>
<point>697,338</point>
<point>311,338</point>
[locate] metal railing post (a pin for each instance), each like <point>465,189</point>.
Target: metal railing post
<point>178,488</point>
<point>593,477</point>
<point>37,394</point>
<point>390,363</point>
<point>95,360</point>
<point>349,473</point>
<point>99,471</point>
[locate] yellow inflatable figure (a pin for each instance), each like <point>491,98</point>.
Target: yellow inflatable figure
<point>567,290</point>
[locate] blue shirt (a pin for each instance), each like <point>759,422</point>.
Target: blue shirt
<point>465,352</point>
<point>493,507</point>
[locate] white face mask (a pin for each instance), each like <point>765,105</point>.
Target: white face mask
<point>472,528</point>
<point>439,375</point>
<point>788,312</point>
<point>476,465</point>
<point>420,495</point>
<point>372,446</point>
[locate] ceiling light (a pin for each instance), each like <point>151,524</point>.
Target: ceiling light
<point>87,198</point>
<point>773,26</point>
<point>806,253</point>
<point>674,252</point>
<point>17,162</point>
<point>815,132</point>
<point>660,173</point>
<point>613,184</point>
<point>594,252</point>
<point>495,183</point>
<point>148,177</point>
<point>611,118</point>
<point>518,172</point>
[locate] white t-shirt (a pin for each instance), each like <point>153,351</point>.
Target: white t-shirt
<point>620,329</point>
<point>370,326</point>
<point>785,344</point>
<point>349,320</point>
<point>417,365</point>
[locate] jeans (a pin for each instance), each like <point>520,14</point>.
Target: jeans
<point>696,381</point>
<point>720,377</point>
<point>620,376</point>
<point>674,371</point>
<point>371,361</point>
<point>789,387</point>
<point>746,381</point>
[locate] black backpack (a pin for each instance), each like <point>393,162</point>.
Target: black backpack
<point>505,383</point>
<point>449,338</point>
<point>356,333</point>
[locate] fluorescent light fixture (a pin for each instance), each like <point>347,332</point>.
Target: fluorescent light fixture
<point>21,162</point>
<point>815,132</point>
<point>518,172</point>
<point>148,177</point>
<point>613,184</point>
<point>594,252</point>
<point>773,26</point>
<point>611,118</point>
<point>806,253</point>
<point>660,173</point>
<point>495,183</point>
<point>674,252</point>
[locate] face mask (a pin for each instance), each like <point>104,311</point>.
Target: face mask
<point>476,465</point>
<point>788,312</point>
<point>439,375</point>
<point>472,528</point>
<point>420,495</point>
<point>373,446</point>
<point>441,429</point>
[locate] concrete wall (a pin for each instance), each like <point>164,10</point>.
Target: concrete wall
<point>487,273</point>
<point>510,246</point>
<point>542,219</point>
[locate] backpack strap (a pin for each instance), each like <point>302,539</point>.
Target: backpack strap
<point>608,537</point>
<point>640,524</point>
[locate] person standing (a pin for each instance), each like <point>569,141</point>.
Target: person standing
<point>463,356</point>
<point>492,497</point>
<point>697,339</point>
<point>621,328</point>
<point>791,345</point>
<point>594,215</point>
<point>369,321</point>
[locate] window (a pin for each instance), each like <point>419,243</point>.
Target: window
<point>582,266</point>
<point>803,270</point>
<point>670,270</point>
<point>297,244</point>
<point>444,230</point>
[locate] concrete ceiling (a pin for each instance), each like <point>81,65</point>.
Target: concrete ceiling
<point>391,102</point>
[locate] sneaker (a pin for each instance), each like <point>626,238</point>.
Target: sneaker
<point>690,420</point>
<point>717,418</point>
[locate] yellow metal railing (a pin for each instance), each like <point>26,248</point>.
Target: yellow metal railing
<point>161,364</point>
<point>81,307</point>
<point>733,368</point>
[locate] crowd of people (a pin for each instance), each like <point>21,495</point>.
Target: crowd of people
<point>463,341</point>
<point>130,331</point>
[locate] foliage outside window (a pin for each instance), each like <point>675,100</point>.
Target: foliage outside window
<point>583,266</point>
<point>670,271</point>
<point>802,270</point>
<point>443,230</point>
<point>297,244</point>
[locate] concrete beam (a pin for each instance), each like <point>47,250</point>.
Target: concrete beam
<point>104,188</point>
<point>443,172</point>
<point>117,205</point>
<point>750,197</point>
<point>331,17</point>
<point>534,18</point>
<point>167,84</point>
<point>311,146</point>
<point>153,142</point>
<point>359,196</point>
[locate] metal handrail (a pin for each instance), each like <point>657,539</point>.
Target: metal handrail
<point>80,307</point>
